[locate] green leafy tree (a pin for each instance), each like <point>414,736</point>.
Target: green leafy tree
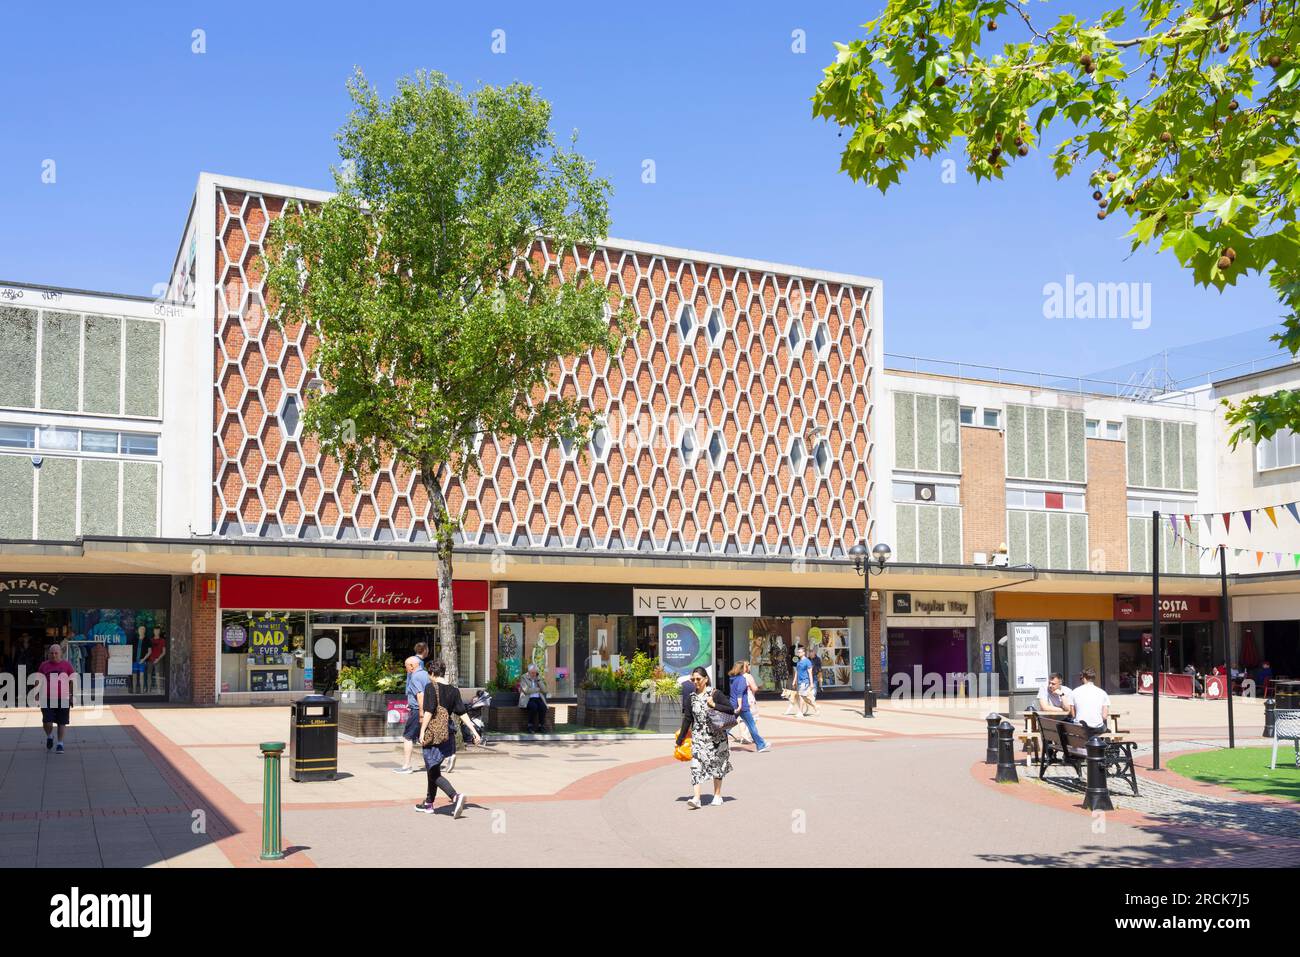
<point>1183,115</point>
<point>438,324</point>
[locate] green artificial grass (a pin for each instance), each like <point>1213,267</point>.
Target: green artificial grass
<point>576,729</point>
<point>1244,769</point>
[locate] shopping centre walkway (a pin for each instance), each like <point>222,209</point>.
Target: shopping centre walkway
<point>182,787</point>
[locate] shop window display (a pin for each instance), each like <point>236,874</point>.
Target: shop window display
<point>771,652</point>
<point>263,651</point>
<point>126,648</point>
<point>543,640</point>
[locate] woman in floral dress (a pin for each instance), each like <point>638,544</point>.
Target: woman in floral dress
<point>710,753</point>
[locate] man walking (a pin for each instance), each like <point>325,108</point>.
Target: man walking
<point>804,684</point>
<point>417,681</point>
<point>56,675</point>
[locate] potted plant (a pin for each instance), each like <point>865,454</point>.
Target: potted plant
<point>657,706</point>
<point>504,686</point>
<point>367,685</point>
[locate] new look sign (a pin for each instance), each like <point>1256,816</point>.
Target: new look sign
<point>658,601</point>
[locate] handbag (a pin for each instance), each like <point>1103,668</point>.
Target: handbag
<point>683,751</point>
<point>721,722</point>
<point>438,730</point>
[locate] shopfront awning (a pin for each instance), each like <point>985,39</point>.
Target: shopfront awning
<point>301,558</point>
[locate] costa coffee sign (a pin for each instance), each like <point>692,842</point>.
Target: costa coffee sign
<point>347,594</point>
<point>1173,608</point>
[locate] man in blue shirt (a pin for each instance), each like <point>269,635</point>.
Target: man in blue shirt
<point>417,680</point>
<point>803,682</point>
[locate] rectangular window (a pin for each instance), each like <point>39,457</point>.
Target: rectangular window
<point>992,418</point>
<point>967,415</point>
<point>1015,498</point>
<point>904,492</point>
<point>1073,502</point>
<point>99,442</point>
<point>1053,500</point>
<point>1093,428</point>
<point>1279,452</point>
<point>135,444</point>
<point>61,440</point>
<point>17,437</point>
<point>945,494</point>
<point>1113,430</point>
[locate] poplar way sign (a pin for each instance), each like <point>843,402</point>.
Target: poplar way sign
<point>657,601</point>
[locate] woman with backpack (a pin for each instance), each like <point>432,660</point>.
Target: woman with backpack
<point>707,716</point>
<point>442,706</point>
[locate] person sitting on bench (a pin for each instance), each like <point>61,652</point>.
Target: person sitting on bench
<point>1053,697</point>
<point>1090,705</point>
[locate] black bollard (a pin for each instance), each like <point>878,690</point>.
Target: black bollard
<point>1006,755</point>
<point>1097,797</point>
<point>1269,706</point>
<point>991,749</point>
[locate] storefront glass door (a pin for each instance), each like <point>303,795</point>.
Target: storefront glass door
<point>335,647</point>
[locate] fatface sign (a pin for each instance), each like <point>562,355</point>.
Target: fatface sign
<point>657,601</point>
<point>26,592</point>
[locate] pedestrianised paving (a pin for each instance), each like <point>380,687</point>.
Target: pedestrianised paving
<point>907,788</point>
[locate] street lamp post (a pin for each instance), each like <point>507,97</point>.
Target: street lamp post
<point>863,564</point>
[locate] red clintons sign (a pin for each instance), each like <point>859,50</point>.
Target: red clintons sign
<point>347,594</point>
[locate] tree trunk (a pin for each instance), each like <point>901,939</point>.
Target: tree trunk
<point>443,535</point>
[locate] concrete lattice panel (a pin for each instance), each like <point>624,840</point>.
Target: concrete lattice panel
<point>740,419</point>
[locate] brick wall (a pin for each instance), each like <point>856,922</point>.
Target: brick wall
<point>983,491</point>
<point>203,628</point>
<point>1107,501</point>
<point>759,387</point>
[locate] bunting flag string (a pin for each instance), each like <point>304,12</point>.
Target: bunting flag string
<point>1213,550</point>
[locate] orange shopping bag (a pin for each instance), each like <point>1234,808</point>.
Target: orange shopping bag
<point>683,751</point>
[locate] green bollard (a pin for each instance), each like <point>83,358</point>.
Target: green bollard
<point>271,849</point>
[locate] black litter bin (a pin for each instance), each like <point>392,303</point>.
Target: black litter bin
<point>314,739</point>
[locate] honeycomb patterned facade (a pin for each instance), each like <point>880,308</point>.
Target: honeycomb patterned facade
<point>739,420</point>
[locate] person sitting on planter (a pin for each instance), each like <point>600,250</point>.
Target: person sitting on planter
<point>532,695</point>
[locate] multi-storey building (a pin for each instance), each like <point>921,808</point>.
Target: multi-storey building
<point>157,479</point>
<point>733,470</point>
<point>1264,479</point>
<point>1049,481</point>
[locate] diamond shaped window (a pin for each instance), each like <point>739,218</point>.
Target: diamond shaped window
<point>686,320</point>
<point>716,326</point>
<point>717,449</point>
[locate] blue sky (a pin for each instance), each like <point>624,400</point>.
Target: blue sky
<point>711,92</point>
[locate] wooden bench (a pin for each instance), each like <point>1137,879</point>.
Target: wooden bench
<point>514,720</point>
<point>1065,742</point>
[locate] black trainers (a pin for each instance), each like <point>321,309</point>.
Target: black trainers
<point>49,742</point>
<point>424,808</point>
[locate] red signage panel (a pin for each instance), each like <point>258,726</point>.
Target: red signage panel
<point>1172,608</point>
<point>347,594</point>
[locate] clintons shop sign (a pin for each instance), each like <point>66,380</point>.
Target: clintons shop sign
<point>1173,608</point>
<point>347,594</point>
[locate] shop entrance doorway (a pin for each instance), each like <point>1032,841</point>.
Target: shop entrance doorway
<point>335,646</point>
<point>1281,647</point>
<point>922,658</point>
